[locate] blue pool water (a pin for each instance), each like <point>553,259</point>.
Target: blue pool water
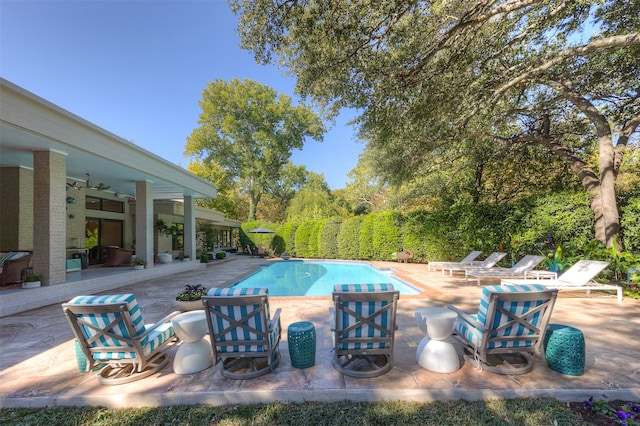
<point>317,278</point>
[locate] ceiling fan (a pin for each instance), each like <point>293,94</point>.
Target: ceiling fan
<point>101,186</point>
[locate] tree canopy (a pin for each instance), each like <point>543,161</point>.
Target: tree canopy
<point>246,135</point>
<point>442,81</point>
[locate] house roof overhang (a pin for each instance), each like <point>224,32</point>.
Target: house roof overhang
<point>29,123</point>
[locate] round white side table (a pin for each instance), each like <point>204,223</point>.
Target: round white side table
<point>435,352</point>
<point>195,353</point>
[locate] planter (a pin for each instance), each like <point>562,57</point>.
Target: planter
<point>285,256</point>
<point>186,260</point>
<point>189,305</point>
<point>138,267</point>
<point>31,284</point>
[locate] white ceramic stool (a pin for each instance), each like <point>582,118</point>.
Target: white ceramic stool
<point>195,353</point>
<point>435,352</point>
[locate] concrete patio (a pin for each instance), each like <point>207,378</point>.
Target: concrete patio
<point>38,365</point>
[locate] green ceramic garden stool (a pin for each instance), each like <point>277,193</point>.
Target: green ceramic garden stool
<point>564,349</point>
<point>81,359</point>
<point>302,344</point>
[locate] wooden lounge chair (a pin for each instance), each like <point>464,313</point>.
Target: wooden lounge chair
<point>111,331</point>
<point>579,277</point>
<point>507,329</point>
<point>363,321</point>
<point>525,265</point>
<point>244,337</point>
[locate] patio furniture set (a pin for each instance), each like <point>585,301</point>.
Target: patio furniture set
<point>510,325</point>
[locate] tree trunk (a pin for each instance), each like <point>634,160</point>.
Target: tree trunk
<point>608,226</point>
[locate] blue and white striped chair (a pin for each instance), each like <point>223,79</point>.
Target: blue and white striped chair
<point>511,322</point>
<point>363,321</point>
<point>244,336</point>
<point>111,331</point>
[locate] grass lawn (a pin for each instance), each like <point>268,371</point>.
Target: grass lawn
<point>499,412</point>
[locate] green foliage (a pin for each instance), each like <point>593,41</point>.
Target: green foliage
<point>349,238</point>
<point>247,132</point>
<point>302,239</point>
<point>620,262</point>
<point>630,224</point>
<point>413,235</point>
<point>329,239</point>
<point>313,249</point>
<point>365,238</point>
<point>449,233</point>
<point>386,234</point>
<point>221,255</point>
<point>192,292</point>
<point>138,261</point>
<point>489,94</point>
<point>565,216</point>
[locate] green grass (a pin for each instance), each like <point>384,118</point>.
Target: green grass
<point>499,412</point>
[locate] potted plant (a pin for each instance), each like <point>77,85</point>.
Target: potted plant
<point>189,299</point>
<point>138,263</point>
<point>32,281</point>
<point>186,258</point>
<point>285,255</point>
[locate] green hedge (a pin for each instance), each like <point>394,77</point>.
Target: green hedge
<point>521,228</point>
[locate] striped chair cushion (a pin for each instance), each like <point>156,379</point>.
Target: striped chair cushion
<point>474,335</point>
<point>102,320</point>
<point>155,339</point>
<point>362,288</point>
<point>238,312</point>
<point>364,309</point>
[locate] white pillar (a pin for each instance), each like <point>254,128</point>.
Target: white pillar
<point>189,226</point>
<point>144,221</point>
<point>49,216</point>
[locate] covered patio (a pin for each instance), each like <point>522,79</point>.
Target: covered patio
<point>70,188</point>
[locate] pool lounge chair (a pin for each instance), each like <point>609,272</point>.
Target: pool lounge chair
<point>508,327</point>
<point>363,322</point>
<point>489,262</point>
<point>525,265</point>
<point>467,260</point>
<point>578,277</point>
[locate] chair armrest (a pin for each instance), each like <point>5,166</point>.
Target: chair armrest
<point>464,317</point>
<point>275,321</point>
<point>332,318</point>
<point>156,324</point>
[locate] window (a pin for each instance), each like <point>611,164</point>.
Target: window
<point>94,203</point>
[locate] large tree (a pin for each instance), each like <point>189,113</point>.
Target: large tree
<point>247,130</point>
<point>432,76</point>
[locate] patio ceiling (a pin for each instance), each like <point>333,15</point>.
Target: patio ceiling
<point>29,123</point>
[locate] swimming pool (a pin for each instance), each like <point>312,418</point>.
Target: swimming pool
<point>317,278</point>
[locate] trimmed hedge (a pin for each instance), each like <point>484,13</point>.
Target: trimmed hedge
<point>520,228</point>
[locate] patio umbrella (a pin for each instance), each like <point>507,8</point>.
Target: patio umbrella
<point>261,231</point>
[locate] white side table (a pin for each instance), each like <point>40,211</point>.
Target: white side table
<point>195,353</point>
<point>435,351</point>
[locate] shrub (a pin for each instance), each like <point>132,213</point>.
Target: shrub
<point>349,238</point>
<point>329,238</point>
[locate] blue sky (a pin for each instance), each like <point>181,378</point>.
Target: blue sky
<point>138,68</point>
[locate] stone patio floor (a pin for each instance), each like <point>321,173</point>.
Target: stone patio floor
<point>38,367</point>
